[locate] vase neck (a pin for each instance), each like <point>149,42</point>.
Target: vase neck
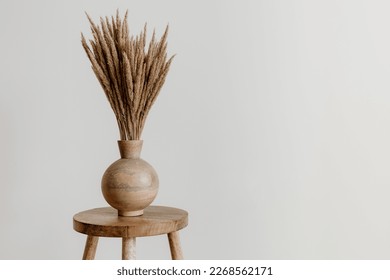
<point>130,148</point>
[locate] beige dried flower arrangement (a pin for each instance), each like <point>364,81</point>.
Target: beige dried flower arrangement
<point>131,76</point>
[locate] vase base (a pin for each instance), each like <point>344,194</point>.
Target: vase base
<point>130,213</point>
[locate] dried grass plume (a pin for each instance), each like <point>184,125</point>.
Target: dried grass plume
<point>130,75</point>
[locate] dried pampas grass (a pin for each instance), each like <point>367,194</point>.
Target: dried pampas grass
<point>131,77</point>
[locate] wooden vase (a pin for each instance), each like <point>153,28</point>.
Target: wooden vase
<point>130,184</point>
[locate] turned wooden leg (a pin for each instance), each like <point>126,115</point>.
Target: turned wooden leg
<point>174,244</point>
<point>128,248</point>
<point>90,247</point>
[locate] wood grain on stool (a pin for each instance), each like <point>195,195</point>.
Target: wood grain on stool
<point>90,247</point>
<point>174,244</point>
<point>128,248</point>
<point>105,222</point>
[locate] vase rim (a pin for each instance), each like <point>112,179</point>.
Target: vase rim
<point>130,148</point>
<point>140,140</point>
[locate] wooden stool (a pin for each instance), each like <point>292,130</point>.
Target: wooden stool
<point>105,222</point>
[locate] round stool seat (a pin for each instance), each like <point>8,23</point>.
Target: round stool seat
<point>105,222</point>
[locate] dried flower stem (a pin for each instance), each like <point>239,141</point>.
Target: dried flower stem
<point>130,76</point>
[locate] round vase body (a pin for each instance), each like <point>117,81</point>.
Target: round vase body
<point>130,184</point>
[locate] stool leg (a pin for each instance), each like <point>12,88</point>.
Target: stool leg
<point>174,244</point>
<point>128,248</point>
<point>90,247</point>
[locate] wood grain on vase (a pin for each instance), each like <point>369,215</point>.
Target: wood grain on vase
<point>130,184</point>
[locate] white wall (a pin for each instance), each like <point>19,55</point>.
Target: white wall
<point>272,129</point>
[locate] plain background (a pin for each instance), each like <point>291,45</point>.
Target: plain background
<point>272,128</point>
